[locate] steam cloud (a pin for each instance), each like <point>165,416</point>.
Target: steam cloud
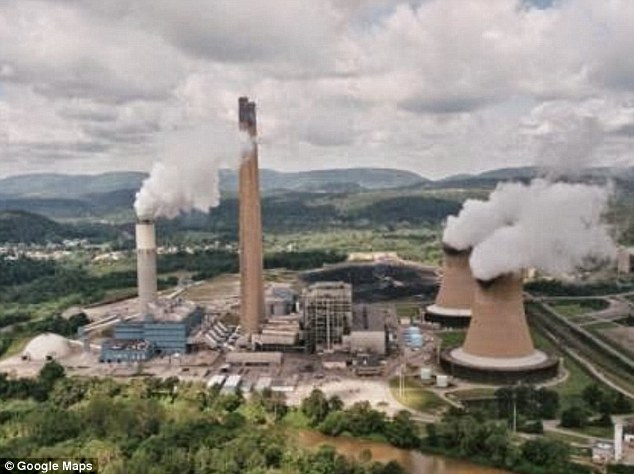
<point>555,227</point>
<point>186,177</point>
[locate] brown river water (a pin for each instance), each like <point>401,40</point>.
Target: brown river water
<point>413,462</point>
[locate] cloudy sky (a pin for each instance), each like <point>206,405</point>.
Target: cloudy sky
<point>438,87</point>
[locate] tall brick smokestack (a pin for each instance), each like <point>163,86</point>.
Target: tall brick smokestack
<point>146,264</point>
<point>251,273</point>
<point>455,295</point>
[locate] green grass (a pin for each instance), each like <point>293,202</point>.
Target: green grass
<point>416,396</point>
<point>574,309</point>
<point>570,390</point>
<point>601,325</point>
<point>451,338</point>
<point>474,393</point>
<point>569,310</point>
<point>410,243</point>
<point>598,431</point>
<point>17,346</point>
<point>405,310</point>
<point>567,438</point>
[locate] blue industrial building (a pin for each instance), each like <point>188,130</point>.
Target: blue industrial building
<point>114,350</point>
<point>142,340</point>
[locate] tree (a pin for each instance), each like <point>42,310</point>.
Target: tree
<point>621,405</point>
<point>432,434</point>
<point>548,403</point>
<point>402,431</point>
<point>50,373</point>
<point>543,452</point>
<point>315,407</point>
<point>335,403</point>
<point>574,417</point>
<point>592,395</point>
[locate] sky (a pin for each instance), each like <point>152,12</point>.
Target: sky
<point>438,87</point>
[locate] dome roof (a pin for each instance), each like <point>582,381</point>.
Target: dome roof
<point>47,345</point>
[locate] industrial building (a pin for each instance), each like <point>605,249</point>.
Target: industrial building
<point>166,332</point>
<point>254,359</point>
<point>281,333</point>
<point>368,334</point>
<point>498,347</point>
<point>121,350</point>
<point>327,315</point>
<point>452,307</point>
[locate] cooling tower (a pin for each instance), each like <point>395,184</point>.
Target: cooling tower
<point>146,264</point>
<point>251,273</point>
<point>453,303</point>
<point>498,346</point>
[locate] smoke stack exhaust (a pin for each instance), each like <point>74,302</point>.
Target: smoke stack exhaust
<point>251,267</point>
<point>455,295</point>
<point>146,264</point>
<point>498,346</point>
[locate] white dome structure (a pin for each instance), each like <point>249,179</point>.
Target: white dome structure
<point>45,346</point>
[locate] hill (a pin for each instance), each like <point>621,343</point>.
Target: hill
<point>26,227</point>
<point>61,186</point>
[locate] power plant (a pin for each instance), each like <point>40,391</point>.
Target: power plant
<point>498,347</point>
<point>452,307</point>
<point>146,264</point>
<point>251,272</point>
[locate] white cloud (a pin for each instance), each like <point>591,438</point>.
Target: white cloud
<point>435,86</point>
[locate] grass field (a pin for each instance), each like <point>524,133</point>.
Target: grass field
<point>451,338</point>
<point>407,310</point>
<point>416,395</point>
<point>474,394</point>
<point>570,390</point>
<point>574,309</point>
<point>567,438</point>
<point>598,431</point>
<point>17,346</point>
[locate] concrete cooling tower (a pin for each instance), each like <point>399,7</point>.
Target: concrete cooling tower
<point>498,347</point>
<point>457,286</point>
<point>146,264</point>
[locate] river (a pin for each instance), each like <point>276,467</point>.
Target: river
<point>413,462</point>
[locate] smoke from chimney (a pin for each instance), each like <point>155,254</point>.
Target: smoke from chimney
<point>186,177</point>
<point>478,219</point>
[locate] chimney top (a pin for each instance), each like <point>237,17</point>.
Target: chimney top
<point>246,112</point>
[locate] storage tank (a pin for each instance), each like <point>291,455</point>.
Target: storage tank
<point>442,381</point>
<point>425,374</point>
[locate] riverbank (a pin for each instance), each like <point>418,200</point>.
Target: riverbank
<point>414,462</point>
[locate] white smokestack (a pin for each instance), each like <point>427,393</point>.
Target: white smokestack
<point>557,228</point>
<point>186,178</point>
<point>146,264</point>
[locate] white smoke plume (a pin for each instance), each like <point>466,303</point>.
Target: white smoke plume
<point>558,227</point>
<point>478,219</point>
<point>186,177</point>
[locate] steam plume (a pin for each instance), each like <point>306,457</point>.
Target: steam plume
<point>186,177</point>
<point>478,219</point>
<point>557,227</point>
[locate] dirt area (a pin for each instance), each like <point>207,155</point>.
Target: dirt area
<point>623,336</point>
